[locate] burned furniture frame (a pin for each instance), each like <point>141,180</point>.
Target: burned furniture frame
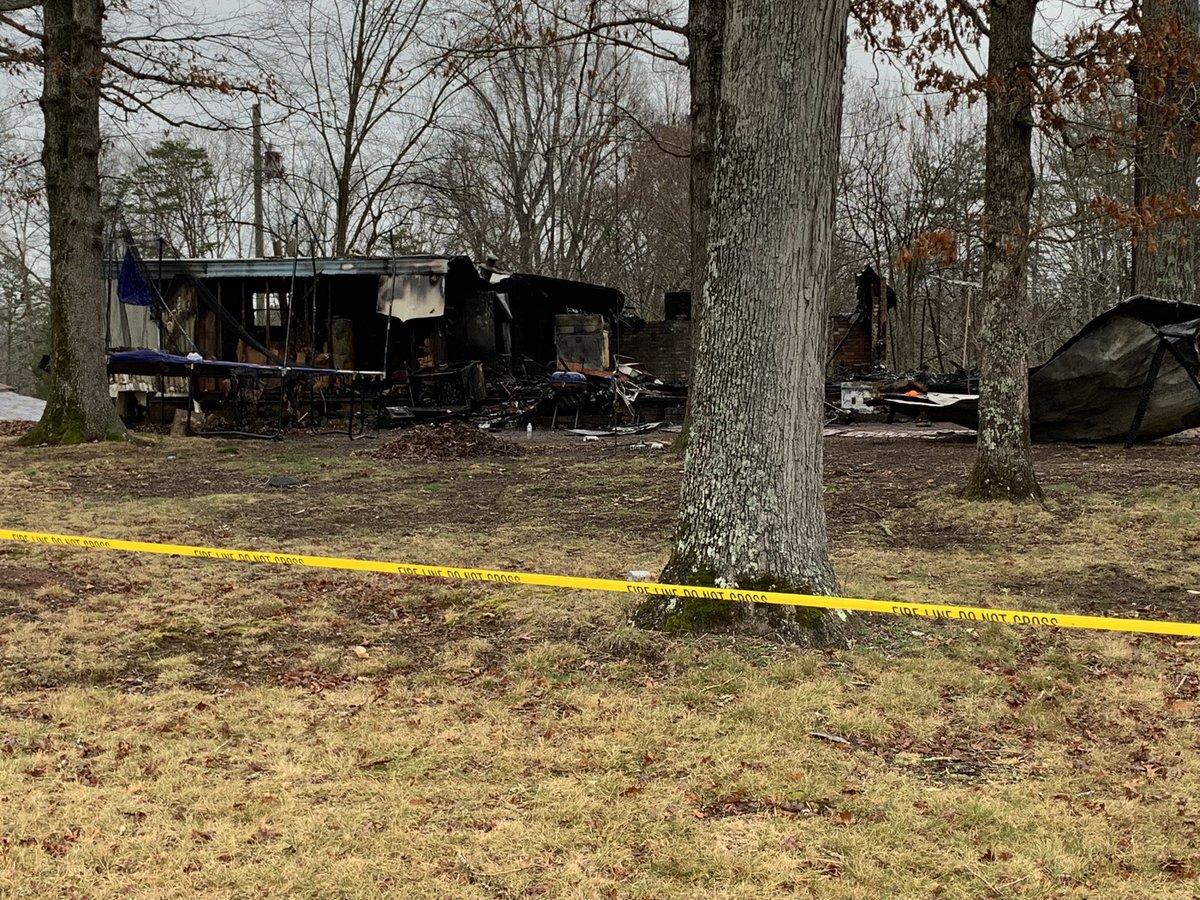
<point>361,384</point>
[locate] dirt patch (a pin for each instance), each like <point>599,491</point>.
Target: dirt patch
<point>1111,591</point>
<point>16,577</point>
<point>450,440</point>
<point>869,480</point>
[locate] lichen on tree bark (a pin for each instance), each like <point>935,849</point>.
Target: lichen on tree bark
<point>751,509</point>
<point>706,47</point>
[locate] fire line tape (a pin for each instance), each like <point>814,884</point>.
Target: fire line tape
<point>956,613</point>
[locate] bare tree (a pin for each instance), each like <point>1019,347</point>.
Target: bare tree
<point>909,204</point>
<point>78,407</point>
<point>23,306</point>
<point>528,168</point>
<point>79,66</point>
<point>1003,461</point>
<point>363,89</point>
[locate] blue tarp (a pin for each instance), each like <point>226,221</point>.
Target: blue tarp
<point>155,362</point>
<point>132,286</point>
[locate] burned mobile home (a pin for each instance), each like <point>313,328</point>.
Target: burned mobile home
<point>411,333</point>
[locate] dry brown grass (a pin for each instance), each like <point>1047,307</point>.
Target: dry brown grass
<point>176,728</point>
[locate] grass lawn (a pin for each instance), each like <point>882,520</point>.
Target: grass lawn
<point>180,728</point>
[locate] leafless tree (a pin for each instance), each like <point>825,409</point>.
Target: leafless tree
<point>23,288</point>
<point>363,85</point>
<point>541,132</point>
<point>80,63</point>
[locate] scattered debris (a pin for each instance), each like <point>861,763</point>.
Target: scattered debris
<point>825,736</point>
<point>942,434</point>
<point>619,431</point>
<point>448,440</point>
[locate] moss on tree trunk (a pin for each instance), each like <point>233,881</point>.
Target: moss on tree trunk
<point>803,625</point>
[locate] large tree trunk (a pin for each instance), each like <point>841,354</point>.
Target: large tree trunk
<point>706,48</point>
<point>1003,460</point>
<point>751,512</point>
<point>78,408</point>
<point>1164,248</point>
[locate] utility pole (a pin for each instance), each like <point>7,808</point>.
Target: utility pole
<point>256,114</point>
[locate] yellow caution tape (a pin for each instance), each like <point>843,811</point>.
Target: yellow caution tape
<point>491,576</point>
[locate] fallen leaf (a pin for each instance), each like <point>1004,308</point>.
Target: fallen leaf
<point>264,835</point>
<point>1179,869</point>
<point>375,763</point>
<point>362,652</point>
<point>992,856</point>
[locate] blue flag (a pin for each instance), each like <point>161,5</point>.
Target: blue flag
<point>132,286</point>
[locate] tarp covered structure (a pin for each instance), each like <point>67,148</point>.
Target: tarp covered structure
<point>1129,375</point>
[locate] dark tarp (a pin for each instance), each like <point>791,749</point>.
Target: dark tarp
<point>1129,375</point>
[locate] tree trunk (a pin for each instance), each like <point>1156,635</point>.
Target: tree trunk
<point>28,382</point>
<point>78,408</point>
<point>1003,460</point>
<point>706,47</point>
<point>751,511</point>
<point>1164,248</point>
